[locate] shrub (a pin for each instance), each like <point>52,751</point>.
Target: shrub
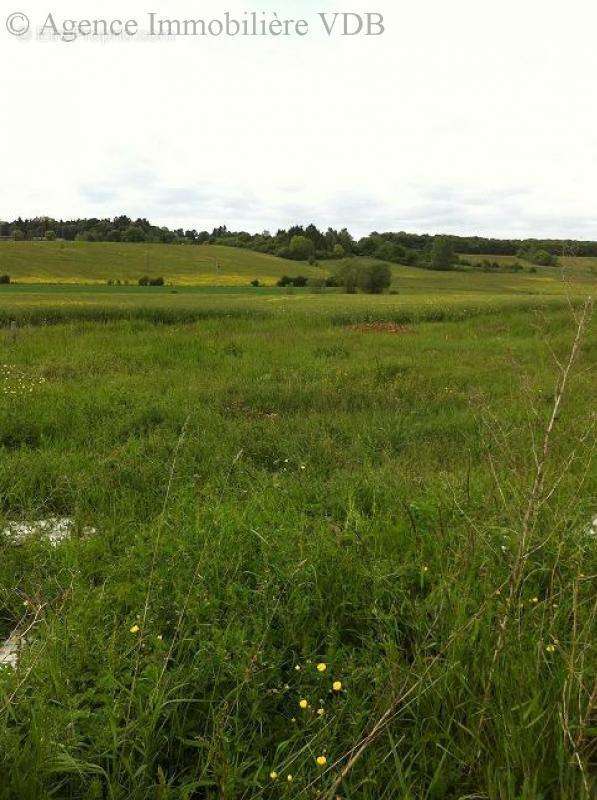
<point>50,236</point>
<point>156,282</point>
<point>255,283</point>
<point>284,281</point>
<point>144,281</point>
<point>300,281</point>
<point>375,278</point>
<point>4,279</point>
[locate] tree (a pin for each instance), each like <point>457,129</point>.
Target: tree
<point>442,253</point>
<point>300,248</point>
<point>375,278</point>
<point>348,277</point>
<point>51,236</point>
<point>133,234</point>
<point>338,251</point>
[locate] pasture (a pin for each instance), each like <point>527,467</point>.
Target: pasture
<point>313,555</point>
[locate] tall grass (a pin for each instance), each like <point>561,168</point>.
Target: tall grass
<point>280,493</point>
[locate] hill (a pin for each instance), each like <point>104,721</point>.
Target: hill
<point>99,262</point>
<point>217,265</point>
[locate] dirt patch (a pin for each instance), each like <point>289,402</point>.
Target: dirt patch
<point>380,327</point>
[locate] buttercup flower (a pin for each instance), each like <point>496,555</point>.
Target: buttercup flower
<point>304,704</point>
<point>290,778</point>
<point>321,761</point>
<point>337,686</point>
<point>551,648</point>
<point>322,667</point>
<point>274,776</point>
<point>135,629</point>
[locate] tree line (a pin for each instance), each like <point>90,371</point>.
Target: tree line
<point>299,243</point>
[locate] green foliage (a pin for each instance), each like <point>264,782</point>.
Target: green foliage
<point>4,279</point>
<point>300,248</point>
<point>133,234</point>
<point>536,255</point>
<point>442,254</point>
<point>50,236</point>
<point>375,278</point>
<point>147,281</point>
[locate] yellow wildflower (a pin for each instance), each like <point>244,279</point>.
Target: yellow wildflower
<point>135,629</point>
<point>290,778</point>
<point>321,761</point>
<point>322,667</point>
<point>551,648</point>
<point>304,704</point>
<point>337,686</point>
<point>274,776</point>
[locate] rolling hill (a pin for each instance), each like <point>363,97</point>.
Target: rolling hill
<point>94,263</point>
<point>99,262</point>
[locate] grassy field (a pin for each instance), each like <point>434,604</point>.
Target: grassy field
<point>277,481</point>
<point>92,263</point>
<point>208,265</point>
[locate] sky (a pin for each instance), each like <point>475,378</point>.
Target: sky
<point>463,118</point>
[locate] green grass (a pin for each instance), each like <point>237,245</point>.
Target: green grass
<point>92,263</point>
<point>213,265</point>
<point>272,489</point>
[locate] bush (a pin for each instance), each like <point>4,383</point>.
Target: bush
<point>255,283</point>
<point>50,236</point>
<point>536,255</point>
<point>147,281</point>
<point>299,281</point>
<point>4,279</point>
<point>375,278</point>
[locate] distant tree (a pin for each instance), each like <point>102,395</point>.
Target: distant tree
<point>255,283</point>
<point>442,254</point>
<point>538,256</point>
<point>300,248</point>
<point>375,278</point>
<point>300,281</point>
<point>338,251</point>
<point>144,281</point>
<point>284,281</point>
<point>133,234</point>
<point>348,277</point>
<point>4,279</point>
<point>51,236</point>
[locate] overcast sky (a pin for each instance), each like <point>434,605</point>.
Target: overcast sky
<point>465,117</point>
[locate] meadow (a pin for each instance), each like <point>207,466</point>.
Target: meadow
<point>325,546</point>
